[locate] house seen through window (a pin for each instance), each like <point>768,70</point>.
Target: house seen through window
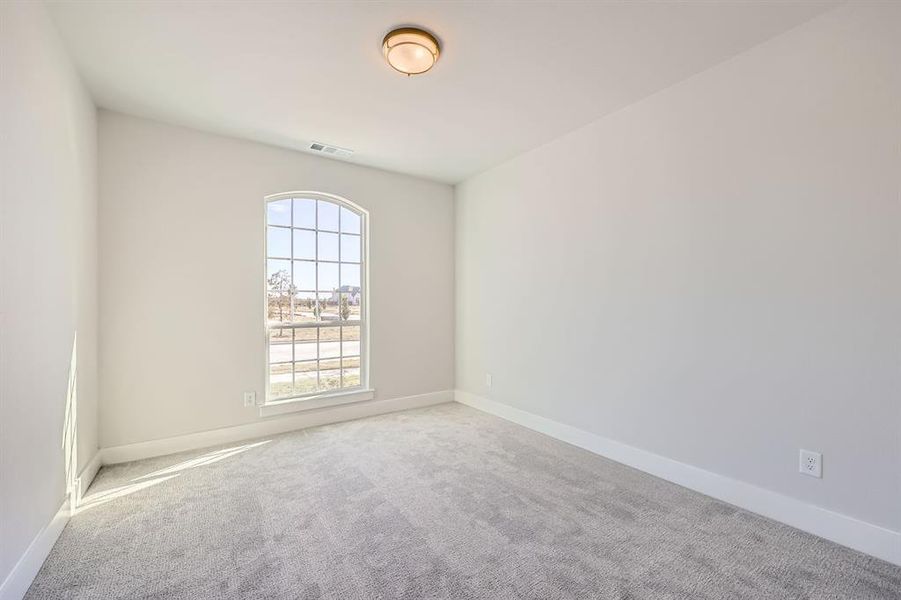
<point>315,295</point>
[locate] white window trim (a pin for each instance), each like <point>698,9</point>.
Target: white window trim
<point>321,399</point>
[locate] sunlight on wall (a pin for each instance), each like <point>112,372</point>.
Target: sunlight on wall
<point>70,430</point>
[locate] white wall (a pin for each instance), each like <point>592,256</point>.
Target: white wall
<point>181,225</point>
<point>712,274</point>
<point>48,256</point>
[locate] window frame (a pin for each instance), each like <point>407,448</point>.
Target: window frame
<point>319,398</point>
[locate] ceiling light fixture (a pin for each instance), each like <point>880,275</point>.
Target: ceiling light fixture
<point>410,50</point>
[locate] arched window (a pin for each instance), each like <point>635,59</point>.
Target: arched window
<point>315,295</point>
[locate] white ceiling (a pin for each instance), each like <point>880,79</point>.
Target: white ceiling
<point>511,76</point>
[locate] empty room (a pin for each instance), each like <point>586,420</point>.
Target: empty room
<point>503,300</point>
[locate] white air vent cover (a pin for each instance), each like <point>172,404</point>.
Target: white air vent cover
<point>331,150</point>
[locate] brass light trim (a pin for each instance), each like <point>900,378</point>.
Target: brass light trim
<point>411,39</point>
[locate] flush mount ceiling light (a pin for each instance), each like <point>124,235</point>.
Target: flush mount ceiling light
<point>410,50</point>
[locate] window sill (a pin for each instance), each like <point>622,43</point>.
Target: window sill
<point>281,407</point>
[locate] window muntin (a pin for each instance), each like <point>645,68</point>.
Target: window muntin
<point>315,317</point>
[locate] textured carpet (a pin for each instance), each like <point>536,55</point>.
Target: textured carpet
<point>444,502</point>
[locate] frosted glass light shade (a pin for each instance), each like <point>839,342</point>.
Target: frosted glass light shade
<point>411,51</point>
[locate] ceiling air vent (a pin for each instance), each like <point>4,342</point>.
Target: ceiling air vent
<point>331,150</point>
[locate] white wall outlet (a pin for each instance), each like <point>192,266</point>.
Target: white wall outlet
<point>811,463</point>
<point>488,379</point>
<point>250,398</point>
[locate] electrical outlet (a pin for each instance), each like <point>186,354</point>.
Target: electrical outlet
<point>250,398</point>
<point>811,463</point>
<point>488,379</point>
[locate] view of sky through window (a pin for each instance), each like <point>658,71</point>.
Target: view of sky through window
<point>314,253</point>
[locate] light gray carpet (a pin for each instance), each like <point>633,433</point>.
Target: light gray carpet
<point>444,502</point>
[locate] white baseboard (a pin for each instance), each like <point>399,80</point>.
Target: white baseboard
<point>272,426</point>
<point>83,482</point>
<point>868,538</point>
<point>19,579</point>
